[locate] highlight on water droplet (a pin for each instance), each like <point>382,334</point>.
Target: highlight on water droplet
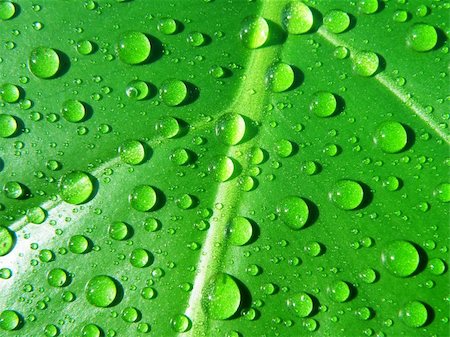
<point>400,258</point>
<point>422,37</point>
<point>75,187</point>
<point>167,26</point>
<point>7,10</point>
<point>168,127</point>
<point>240,231</point>
<point>180,323</point>
<point>365,63</point>
<point>254,31</point>
<point>301,304</point>
<point>346,194</point>
<point>336,21</point>
<point>132,152</point>
<point>73,110</point>
<point>368,6</point>
<point>44,62</point>
<point>137,90</point>
<point>9,92</point>
<point>9,320</point>
<point>279,77</point>
<point>57,277</point>
<point>101,291</point>
<point>442,192</point>
<point>339,291</point>
<point>391,137</point>
<point>293,211</point>
<point>140,258</point>
<point>173,92</point>
<point>8,125</point>
<point>323,104</point>
<point>414,314</point>
<point>133,47</point>
<point>230,128</point>
<point>221,297</point>
<point>143,198</point>
<point>297,18</point>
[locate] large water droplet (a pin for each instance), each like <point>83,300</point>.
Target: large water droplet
<point>339,291</point>
<point>75,187</point>
<point>346,194</point>
<point>414,314</point>
<point>6,241</point>
<point>400,258</point>
<point>365,63</point>
<point>323,104</point>
<point>301,303</point>
<point>118,231</point>
<point>44,62</point>
<point>391,137</point>
<point>368,6</point>
<point>9,93</point>
<point>180,323</point>
<point>240,231</point>
<point>57,277</point>
<point>442,192</point>
<point>9,320</point>
<point>336,21</point>
<point>91,330</point>
<point>293,211</point>
<point>8,125</point>
<point>7,10</point>
<point>101,291</point>
<point>140,258</point>
<point>279,77</point>
<point>422,37</point>
<point>143,198</point>
<point>173,92</point>
<point>168,127</point>
<point>221,297</point>
<point>254,31</point>
<point>73,110</point>
<point>297,18</point>
<point>230,128</point>
<point>78,244</point>
<point>133,47</point>
<point>132,152</point>
<point>137,90</point>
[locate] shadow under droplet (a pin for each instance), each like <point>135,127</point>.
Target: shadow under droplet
<point>313,213</point>
<point>251,130</point>
<point>423,259</point>
<point>89,111</point>
<point>340,105</point>
<point>441,38</point>
<point>157,49</point>
<point>431,314</point>
<point>95,187</point>
<point>381,65</point>
<point>317,20</point>
<point>64,64</point>
<point>160,199</point>
<point>367,196</point>
<point>246,297</point>
<point>119,294</point>
<point>299,77</point>
<point>277,35</point>
<point>410,136</point>
<point>256,232</point>
<point>193,93</point>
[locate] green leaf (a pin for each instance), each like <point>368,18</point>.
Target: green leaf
<point>224,168</point>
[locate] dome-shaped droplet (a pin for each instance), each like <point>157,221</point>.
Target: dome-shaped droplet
<point>168,127</point>
<point>391,137</point>
<point>221,297</point>
<point>279,77</point>
<point>422,37</point>
<point>336,21</point>
<point>73,110</point>
<point>284,148</point>
<point>180,323</point>
<point>254,31</point>
<point>78,244</point>
<point>222,168</point>
<point>44,62</point>
<point>140,258</point>
<point>240,231</point>
<point>76,187</point>
<point>180,156</point>
<point>137,90</point>
<point>442,192</point>
<point>365,63</point>
<point>196,39</point>
<point>6,241</point>
<point>436,266</point>
<point>9,320</point>
<point>323,104</point>
<point>400,258</point>
<point>301,303</point>
<point>9,92</point>
<point>130,314</point>
<point>14,190</point>
<point>8,125</point>
<point>293,211</point>
<point>7,10</point>
<point>173,92</point>
<point>143,198</point>
<point>296,17</point>
<point>91,330</point>
<point>339,291</point>
<point>230,128</point>
<point>57,277</point>
<point>85,47</point>
<point>133,47</point>
<point>346,194</point>
<point>368,6</point>
<point>101,291</point>
<point>118,230</point>
<point>36,215</point>
<point>414,314</point>
<point>132,152</point>
<point>167,26</point>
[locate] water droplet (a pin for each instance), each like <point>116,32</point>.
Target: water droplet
<point>137,90</point>
<point>400,16</point>
<point>7,10</point>
<point>143,198</point>
<point>254,31</point>
<point>222,168</point>
<point>293,212</point>
<point>76,187</point>
<point>85,47</point>
<point>365,63</point>
<point>5,273</point>
<point>422,37</point>
<point>44,62</point>
<point>180,323</point>
<point>9,93</point>
<point>400,258</point>
<point>391,137</point>
<point>279,77</point>
<point>240,231</point>
<point>341,52</point>
<point>168,127</point>
<point>13,190</point>
<point>422,10</point>
<point>346,194</point>
<point>284,148</point>
<point>91,330</point>
<point>230,128</point>
<point>73,110</point>
<point>118,231</point>
<point>363,313</point>
<point>101,291</point>
<point>46,255</point>
<point>336,21</point>
<point>313,248</point>
<point>368,6</point>
<point>391,183</point>
<point>8,125</point>
<point>133,47</point>
<point>297,18</point>
<point>221,297</point>
<point>9,320</point>
<point>152,224</point>
<point>6,241</point>
<point>323,104</point>
<point>442,192</point>
<point>51,330</point>
<point>167,26</point>
<point>173,92</point>
<point>339,291</point>
<point>310,167</point>
<point>148,293</point>
<point>180,156</point>
<point>57,277</point>
<point>143,327</point>
<point>140,258</point>
<point>132,152</point>
<point>436,266</point>
<point>78,244</point>
<point>414,314</point>
<point>301,303</point>
<point>130,314</point>
<point>196,39</point>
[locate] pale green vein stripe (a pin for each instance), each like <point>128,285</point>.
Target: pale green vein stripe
<point>390,85</point>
